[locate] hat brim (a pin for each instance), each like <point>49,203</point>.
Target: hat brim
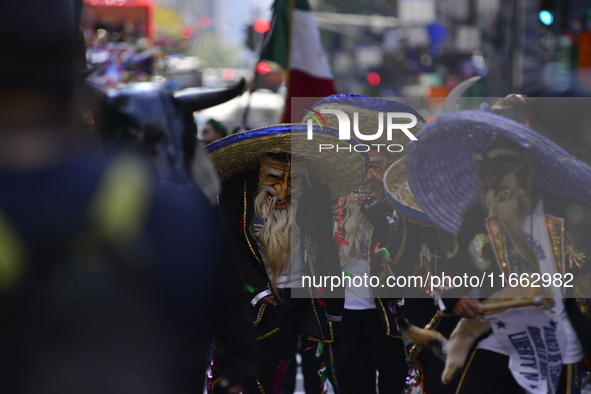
<point>367,110</point>
<point>445,180</point>
<point>399,194</point>
<point>341,171</point>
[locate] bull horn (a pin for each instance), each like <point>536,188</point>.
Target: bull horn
<point>454,96</point>
<point>196,99</point>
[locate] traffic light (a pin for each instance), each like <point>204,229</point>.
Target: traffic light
<point>262,25</point>
<point>255,34</point>
<point>373,79</point>
<point>547,12</point>
<point>263,68</point>
<point>249,37</point>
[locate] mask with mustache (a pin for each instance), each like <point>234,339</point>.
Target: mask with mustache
<point>276,204</point>
<point>355,224</point>
<point>508,195</point>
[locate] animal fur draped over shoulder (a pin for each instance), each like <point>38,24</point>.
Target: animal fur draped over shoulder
<point>573,230</point>
<point>455,350</point>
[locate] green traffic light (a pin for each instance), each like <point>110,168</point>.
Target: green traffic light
<point>546,17</point>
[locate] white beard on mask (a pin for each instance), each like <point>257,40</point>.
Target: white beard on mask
<point>355,228</point>
<point>278,231</point>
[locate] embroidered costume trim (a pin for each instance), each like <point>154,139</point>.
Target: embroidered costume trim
<point>211,384</point>
<point>555,228</point>
<point>280,376</point>
<point>475,251</point>
<point>306,242</point>
<point>260,386</point>
<point>244,229</point>
<point>260,314</point>
<point>432,325</point>
<point>448,243</point>
<point>273,331</point>
<point>496,237</point>
<point>574,256</point>
<point>403,243</point>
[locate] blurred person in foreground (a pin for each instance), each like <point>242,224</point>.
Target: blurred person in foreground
<point>104,271</point>
<point>159,123</point>
<point>517,203</point>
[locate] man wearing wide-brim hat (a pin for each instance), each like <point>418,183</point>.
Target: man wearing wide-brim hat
<point>519,205</point>
<point>364,221</point>
<point>276,194</point>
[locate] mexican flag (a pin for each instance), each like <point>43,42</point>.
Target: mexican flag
<point>294,44</point>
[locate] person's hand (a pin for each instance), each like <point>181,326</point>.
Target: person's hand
<point>375,188</point>
<point>231,387</point>
<point>468,307</point>
<point>270,299</point>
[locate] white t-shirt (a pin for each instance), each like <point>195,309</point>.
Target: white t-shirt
<point>536,234</point>
<point>359,297</point>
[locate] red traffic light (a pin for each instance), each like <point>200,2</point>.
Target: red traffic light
<point>262,25</point>
<point>373,79</point>
<point>263,68</point>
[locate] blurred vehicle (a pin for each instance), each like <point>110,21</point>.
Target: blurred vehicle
<point>265,108</point>
<point>266,78</point>
<point>224,76</point>
<point>180,72</point>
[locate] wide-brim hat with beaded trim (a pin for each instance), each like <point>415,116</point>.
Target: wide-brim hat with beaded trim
<point>444,179</point>
<point>399,194</point>
<point>340,170</point>
<point>368,109</point>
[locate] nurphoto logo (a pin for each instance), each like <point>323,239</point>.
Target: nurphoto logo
<point>345,129</point>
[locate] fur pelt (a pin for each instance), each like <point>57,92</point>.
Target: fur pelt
<point>454,351</point>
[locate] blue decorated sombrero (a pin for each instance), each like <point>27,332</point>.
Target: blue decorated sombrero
<point>367,109</point>
<point>398,192</point>
<point>342,171</point>
<point>445,181</point>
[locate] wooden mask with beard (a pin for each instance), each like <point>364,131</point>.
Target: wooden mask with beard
<point>278,174</point>
<point>507,173</point>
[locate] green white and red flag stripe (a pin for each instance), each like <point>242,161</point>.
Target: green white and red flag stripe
<point>294,44</point>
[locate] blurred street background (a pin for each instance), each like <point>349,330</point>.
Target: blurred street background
<point>380,48</point>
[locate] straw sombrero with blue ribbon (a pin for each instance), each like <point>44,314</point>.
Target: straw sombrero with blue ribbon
<point>399,194</point>
<point>444,179</point>
<point>341,171</point>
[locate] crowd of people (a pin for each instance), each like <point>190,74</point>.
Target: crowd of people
<point>133,260</point>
